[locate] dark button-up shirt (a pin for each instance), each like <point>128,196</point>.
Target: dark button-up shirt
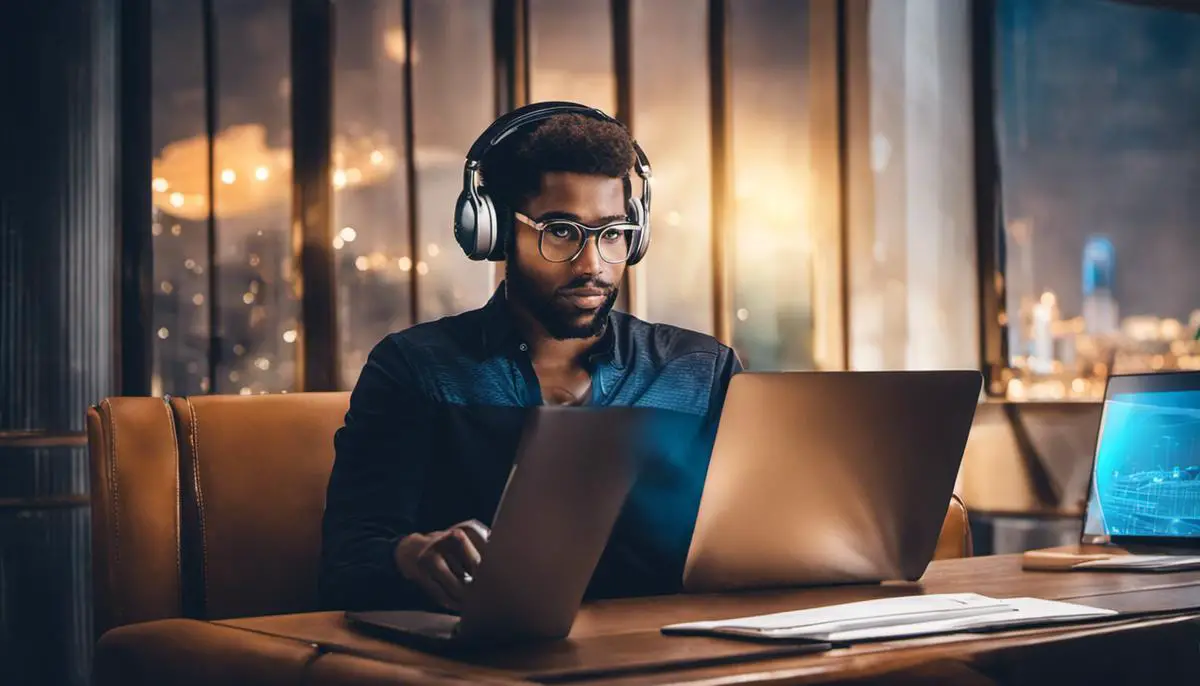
<point>432,431</point>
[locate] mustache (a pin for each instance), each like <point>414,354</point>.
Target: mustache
<point>585,282</point>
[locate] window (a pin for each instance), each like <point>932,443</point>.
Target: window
<point>912,230</point>
<point>179,212</point>
<point>373,264</point>
<point>232,324</point>
<point>671,122</point>
<point>571,52</point>
<point>256,299</point>
<point>455,40</point>
<point>773,251</point>
<point>1099,145</point>
<point>255,302</point>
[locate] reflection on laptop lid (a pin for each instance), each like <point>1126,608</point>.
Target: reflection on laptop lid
<point>1145,482</point>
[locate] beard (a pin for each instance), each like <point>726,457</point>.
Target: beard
<point>556,314</point>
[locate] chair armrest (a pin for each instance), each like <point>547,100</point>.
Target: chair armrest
<point>955,539</point>
<point>188,652</point>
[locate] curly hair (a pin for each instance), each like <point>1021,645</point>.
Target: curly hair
<point>512,171</point>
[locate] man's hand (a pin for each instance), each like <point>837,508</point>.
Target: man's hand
<point>442,563</point>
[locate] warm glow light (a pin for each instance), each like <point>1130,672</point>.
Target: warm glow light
<point>156,230</point>
<point>255,260</point>
<point>743,314</point>
<point>1170,329</point>
<point>289,336</point>
<point>376,158</point>
<point>198,299</point>
<point>405,263</point>
<point>160,185</point>
<point>189,264</point>
<point>353,175</point>
<point>228,176</point>
<point>176,229</point>
<point>339,179</point>
<point>348,234</point>
<point>244,391</point>
<point>1079,385</point>
<point>262,363</point>
<point>176,200</point>
<point>163,333</point>
<point>338,243</point>
<point>361,263</point>
<point>422,268</point>
<point>167,287</point>
<point>262,173</point>
<point>433,250</point>
<point>673,218</point>
<point>247,298</point>
<point>1048,299</point>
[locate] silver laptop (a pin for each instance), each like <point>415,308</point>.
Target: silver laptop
<point>573,471</point>
<point>830,477</point>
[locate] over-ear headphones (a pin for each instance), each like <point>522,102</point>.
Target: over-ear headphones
<point>481,225</point>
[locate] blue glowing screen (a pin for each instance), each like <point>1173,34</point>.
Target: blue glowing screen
<point>1146,475</point>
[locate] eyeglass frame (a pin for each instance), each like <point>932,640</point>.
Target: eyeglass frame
<point>588,231</point>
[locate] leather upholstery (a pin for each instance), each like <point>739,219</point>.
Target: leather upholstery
<point>135,511</point>
<point>955,540</point>
<point>210,507</point>
<point>180,652</point>
<point>255,470</point>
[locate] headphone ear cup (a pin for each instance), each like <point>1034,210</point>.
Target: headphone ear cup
<point>465,222</point>
<point>475,225</point>
<point>641,242</point>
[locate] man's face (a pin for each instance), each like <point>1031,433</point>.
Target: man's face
<point>570,299</point>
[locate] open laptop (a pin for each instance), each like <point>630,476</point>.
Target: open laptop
<point>573,471</point>
<point>1144,491</point>
<point>830,477</point>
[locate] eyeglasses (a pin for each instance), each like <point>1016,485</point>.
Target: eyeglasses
<point>562,240</point>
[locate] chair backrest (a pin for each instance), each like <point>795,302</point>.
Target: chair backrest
<point>955,540</point>
<point>254,473</point>
<point>210,506</point>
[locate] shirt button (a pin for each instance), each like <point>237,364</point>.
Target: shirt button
<point>524,348</point>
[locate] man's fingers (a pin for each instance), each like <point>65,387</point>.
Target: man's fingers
<point>466,552</point>
<point>478,532</point>
<point>450,548</point>
<point>439,571</point>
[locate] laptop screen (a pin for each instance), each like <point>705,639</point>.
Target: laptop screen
<point>1146,472</point>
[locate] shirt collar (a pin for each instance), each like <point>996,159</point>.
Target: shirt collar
<point>500,333</point>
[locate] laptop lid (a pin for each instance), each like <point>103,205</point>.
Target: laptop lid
<point>1145,483</point>
<point>574,470</point>
<point>830,477</point>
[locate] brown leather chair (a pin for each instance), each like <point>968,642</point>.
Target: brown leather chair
<point>210,507</point>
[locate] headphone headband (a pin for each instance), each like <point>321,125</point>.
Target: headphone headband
<point>478,225</point>
<point>517,119</point>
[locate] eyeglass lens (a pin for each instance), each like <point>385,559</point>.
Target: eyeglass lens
<point>563,241</point>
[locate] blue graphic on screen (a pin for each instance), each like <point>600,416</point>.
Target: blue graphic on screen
<point>1147,471</point>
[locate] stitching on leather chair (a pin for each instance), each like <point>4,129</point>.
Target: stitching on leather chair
<point>194,437</point>
<point>178,499</point>
<point>114,485</point>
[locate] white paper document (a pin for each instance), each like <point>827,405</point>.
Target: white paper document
<point>1144,563</point>
<point>894,618</point>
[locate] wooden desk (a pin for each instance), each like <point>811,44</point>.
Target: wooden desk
<point>619,641</point>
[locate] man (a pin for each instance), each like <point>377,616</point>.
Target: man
<point>436,415</point>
